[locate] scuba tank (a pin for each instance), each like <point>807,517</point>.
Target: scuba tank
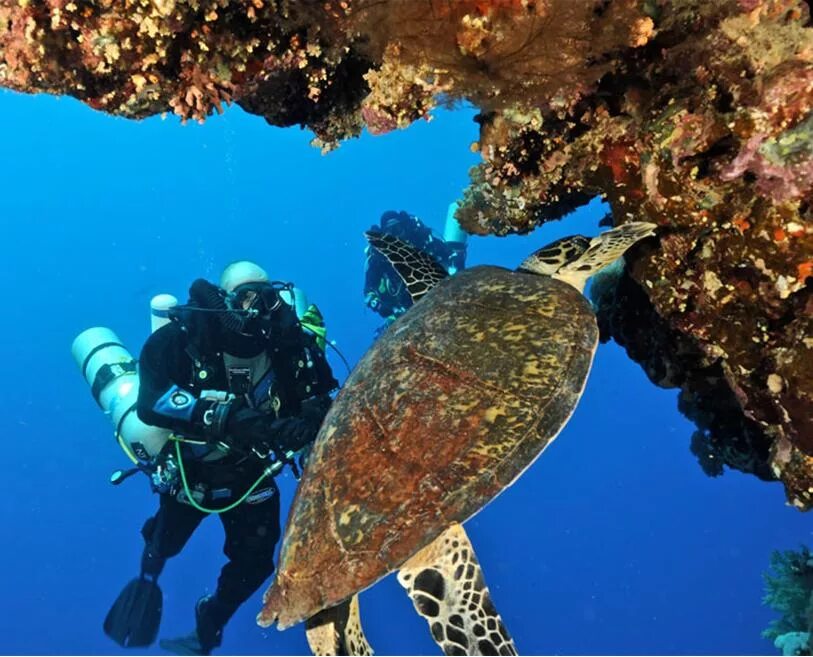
<point>111,372</point>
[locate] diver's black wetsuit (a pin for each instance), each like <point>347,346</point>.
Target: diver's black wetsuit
<point>179,362</point>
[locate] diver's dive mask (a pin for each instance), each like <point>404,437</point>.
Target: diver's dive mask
<point>257,306</point>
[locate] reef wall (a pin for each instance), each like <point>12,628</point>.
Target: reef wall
<point>690,113</point>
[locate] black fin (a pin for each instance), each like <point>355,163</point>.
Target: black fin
<point>133,620</point>
<point>419,271</point>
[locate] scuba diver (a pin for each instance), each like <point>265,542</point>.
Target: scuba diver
<point>384,291</point>
<point>241,384</point>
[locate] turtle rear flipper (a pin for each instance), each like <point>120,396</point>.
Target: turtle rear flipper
<point>447,588</point>
<point>604,249</point>
<point>419,271</point>
<point>337,631</point>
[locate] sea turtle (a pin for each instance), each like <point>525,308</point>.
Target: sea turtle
<point>448,408</point>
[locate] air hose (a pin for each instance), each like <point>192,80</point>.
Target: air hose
<point>210,298</point>
<point>272,469</point>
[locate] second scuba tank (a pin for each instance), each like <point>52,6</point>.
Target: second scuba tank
<point>452,231</point>
<point>160,305</point>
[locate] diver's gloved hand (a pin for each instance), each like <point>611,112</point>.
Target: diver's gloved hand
<point>212,416</point>
<point>250,429</point>
<point>291,434</point>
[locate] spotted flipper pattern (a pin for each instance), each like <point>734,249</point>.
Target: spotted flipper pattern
<point>447,588</point>
<point>337,631</point>
<point>418,270</point>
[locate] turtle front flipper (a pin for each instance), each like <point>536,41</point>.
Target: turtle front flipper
<point>337,631</point>
<point>418,270</point>
<point>447,588</point>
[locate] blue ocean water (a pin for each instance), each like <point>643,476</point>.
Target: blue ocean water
<point>614,542</point>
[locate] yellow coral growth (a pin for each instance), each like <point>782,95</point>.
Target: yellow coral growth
<point>504,53</point>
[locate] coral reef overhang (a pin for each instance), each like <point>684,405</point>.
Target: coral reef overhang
<point>693,114</point>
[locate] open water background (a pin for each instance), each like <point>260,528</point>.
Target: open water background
<point>614,542</point>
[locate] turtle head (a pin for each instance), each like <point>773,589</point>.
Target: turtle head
<point>548,260</point>
<point>575,259</point>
